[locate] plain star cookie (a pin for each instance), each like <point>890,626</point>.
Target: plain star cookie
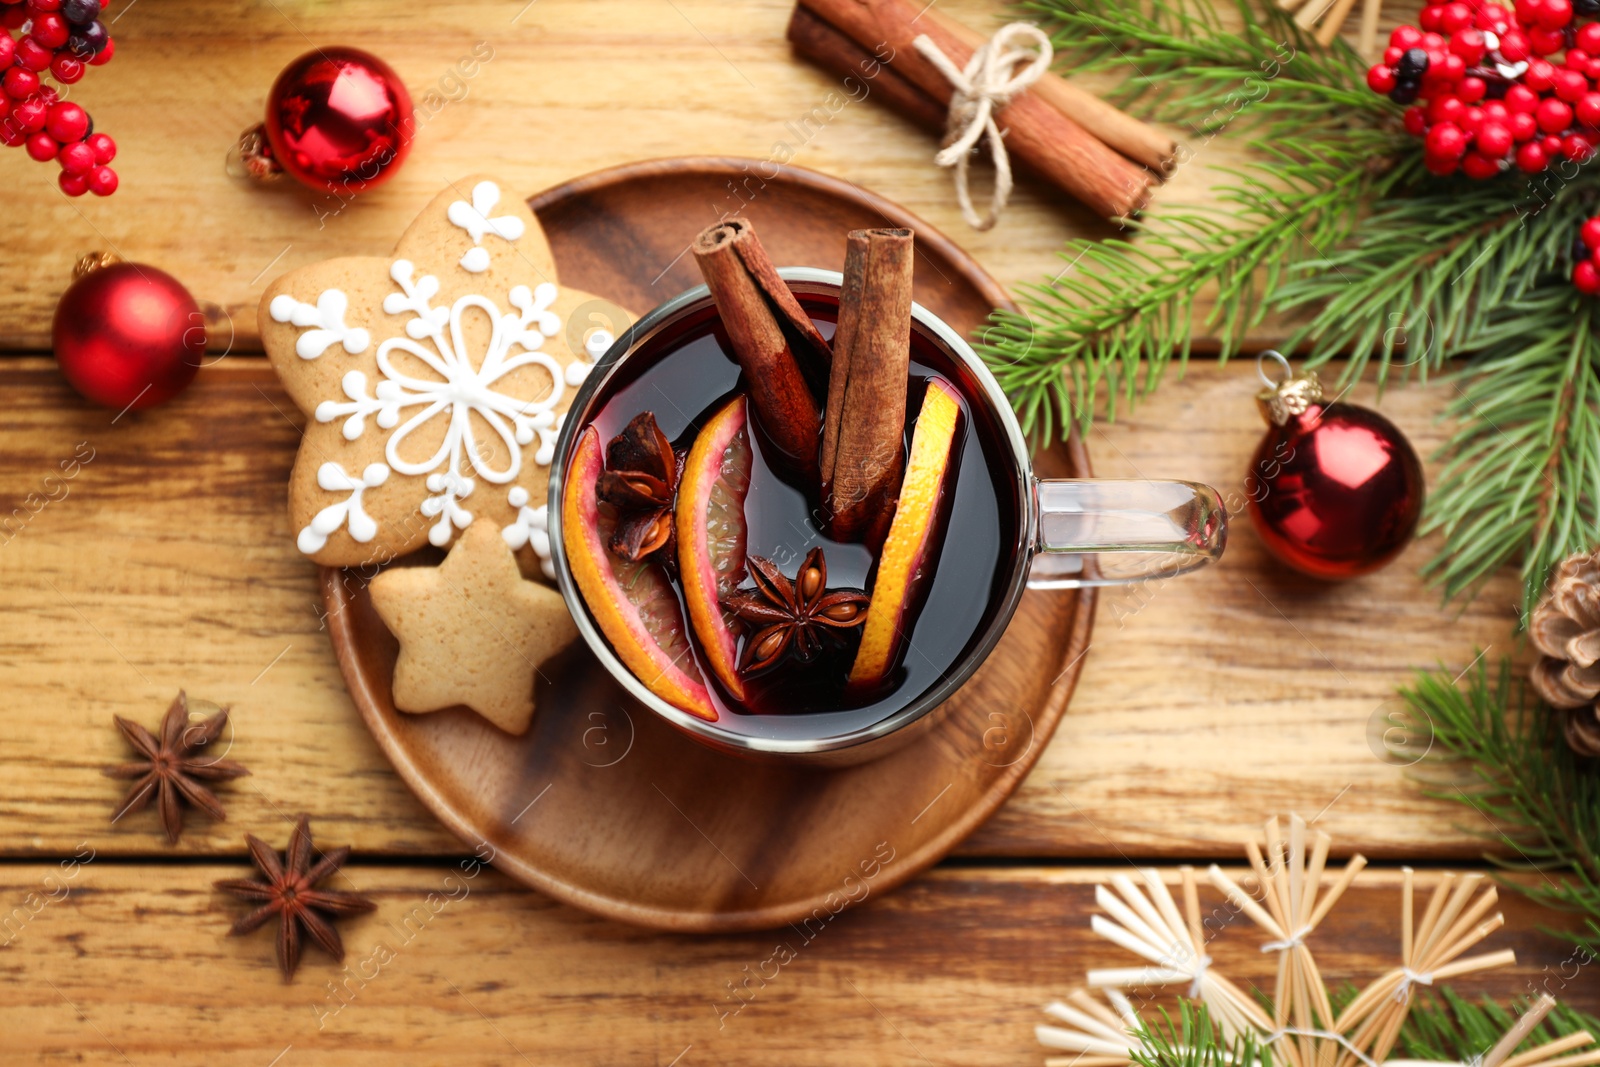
<point>472,631</point>
<point>434,381</point>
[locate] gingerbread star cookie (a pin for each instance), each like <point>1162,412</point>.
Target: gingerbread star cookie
<point>472,630</point>
<point>434,380</point>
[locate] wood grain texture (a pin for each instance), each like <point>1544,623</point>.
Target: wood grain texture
<point>1206,703</point>
<point>1219,698</point>
<point>572,86</point>
<point>952,969</point>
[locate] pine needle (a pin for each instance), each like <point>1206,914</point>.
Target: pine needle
<point>1522,470</point>
<point>1194,1040</point>
<point>1445,1026</point>
<point>1539,802</point>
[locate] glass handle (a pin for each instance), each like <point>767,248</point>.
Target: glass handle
<point>1111,532</point>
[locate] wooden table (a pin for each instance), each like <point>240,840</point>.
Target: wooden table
<point>1206,704</point>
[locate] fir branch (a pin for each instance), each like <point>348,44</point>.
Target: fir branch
<point>1429,269</point>
<point>1184,66</point>
<point>1122,308</point>
<point>1542,802</point>
<point>1445,1026</point>
<point>1194,1040</point>
<point>1524,467</point>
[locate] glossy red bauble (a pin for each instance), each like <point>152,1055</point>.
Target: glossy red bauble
<point>128,335</point>
<point>339,120</point>
<point>1340,491</point>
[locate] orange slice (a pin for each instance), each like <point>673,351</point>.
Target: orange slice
<point>910,536</point>
<point>711,535</point>
<point>633,602</point>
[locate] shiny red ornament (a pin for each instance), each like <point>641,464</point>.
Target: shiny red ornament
<point>128,336</point>
<point>1336,489</point>
<point>339,120</point>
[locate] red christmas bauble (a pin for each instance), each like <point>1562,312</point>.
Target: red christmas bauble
<point>339,119</point>
<point>128,335</point>
<point>1335,489</point>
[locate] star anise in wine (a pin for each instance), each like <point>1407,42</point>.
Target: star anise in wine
<point>173,766</point>
<point>289,892</point>
<point>640,481</point>
<point>791,615</point>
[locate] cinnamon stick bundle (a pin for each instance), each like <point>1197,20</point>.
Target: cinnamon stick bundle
<point>771,335</point>
<point>1043,138</point>
<point>864,429</point>
<point>1139,141</point>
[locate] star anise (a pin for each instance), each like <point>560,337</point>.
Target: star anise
<point>791,614</point>
<point>640,481</point>
<point>289,892</point>
<point>173,767</point>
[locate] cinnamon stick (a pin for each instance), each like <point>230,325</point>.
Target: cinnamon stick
<point>1047,141</point>
<point>864,429</point>
<point>1139,141</point>
<point>824,44</point>
<point>771,335</point>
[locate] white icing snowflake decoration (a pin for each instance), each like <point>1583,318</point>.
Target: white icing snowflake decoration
<point>474,218</point>
<point>531,528</point>
<point>438,379</point>
<point>594,346</point>
<point>332,477</point>
<point>327,315</point>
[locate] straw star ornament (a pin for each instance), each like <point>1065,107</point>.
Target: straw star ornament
<point>1299,1024</point>
<point>1147,923</point>
<point>1101,1037</point>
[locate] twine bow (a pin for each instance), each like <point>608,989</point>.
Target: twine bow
<point>988,83</point>
<point>1409,979</point>
<point>1294,940</point>
<point>1201,966</point>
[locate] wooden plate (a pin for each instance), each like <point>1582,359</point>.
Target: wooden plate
<point>604,806</point>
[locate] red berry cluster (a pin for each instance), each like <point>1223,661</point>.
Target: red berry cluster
<point>1483,91</point>
<point>62,37</point>
<point>1586,258</point>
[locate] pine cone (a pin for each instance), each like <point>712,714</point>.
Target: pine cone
<point>1565,627</point>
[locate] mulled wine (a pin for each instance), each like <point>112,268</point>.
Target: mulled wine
<point>791,589</point>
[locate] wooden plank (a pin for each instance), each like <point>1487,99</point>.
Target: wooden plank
<point>1207,703</point>
<point>572,86</point>
<point>132,963</point>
